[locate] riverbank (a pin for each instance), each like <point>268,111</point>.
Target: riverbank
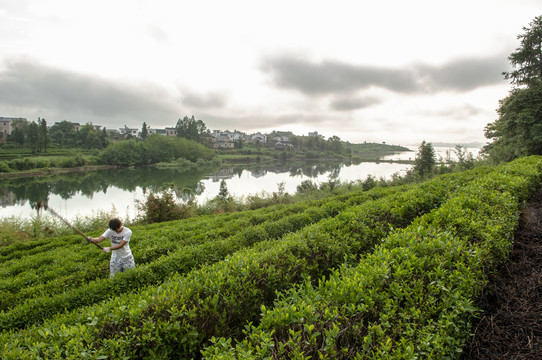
<point>51,171</point>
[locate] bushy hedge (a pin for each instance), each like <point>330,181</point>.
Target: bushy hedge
<point>81,277</point>
<point>22,164</point>
<point>410,299</point>
<point>178,318</point>
<point>155,149</point>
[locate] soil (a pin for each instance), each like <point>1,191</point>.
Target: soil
<point>510,326</point>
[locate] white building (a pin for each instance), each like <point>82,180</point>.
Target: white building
<point>129,131</point>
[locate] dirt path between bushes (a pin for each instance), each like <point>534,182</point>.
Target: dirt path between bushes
<point>511,324</point>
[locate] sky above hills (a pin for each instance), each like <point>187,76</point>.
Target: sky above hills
<point>390,71</point>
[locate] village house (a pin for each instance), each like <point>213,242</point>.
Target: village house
<point>258,138</point>
<point>126,131</point>
<point>315,133</point>
<point>171,131</point>
<point>6,124</point>
<point>226,139</point>
<point>280,140</point>
<point>157,131</point>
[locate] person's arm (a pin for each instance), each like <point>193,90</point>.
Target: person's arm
<point>114,247</point>
<point>96,240</point>
<point>119,245</point>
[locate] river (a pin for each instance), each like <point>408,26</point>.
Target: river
<point>84,194</point>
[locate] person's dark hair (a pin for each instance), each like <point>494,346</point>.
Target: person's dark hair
<point>114,224</point>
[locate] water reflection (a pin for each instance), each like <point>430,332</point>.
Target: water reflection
<point>82,193</point>
<point>17,191</point>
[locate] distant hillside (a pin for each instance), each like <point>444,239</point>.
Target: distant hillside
<point>467,145</point>
<point>375,149</point>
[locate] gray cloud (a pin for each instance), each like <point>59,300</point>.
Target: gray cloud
<point>326,77</point>
<point>465,74</point>
<point>333,76</point>
<point>353,103</point>
<point>80,97</point>
<point>212,99</point>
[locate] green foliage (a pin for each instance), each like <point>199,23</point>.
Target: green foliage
<point>518,130</point>
<point>411,298</point>
<point>144,131</point>
<point>526,60</point>
<point>160,208</point>
<point>43,163</point>
<point>306,186</point>
<point>156,148</point>
<point>425,160</point>
<point>386,273</point>
<point>128,152</point>
<point>63,133</point>
<point>190,128</point>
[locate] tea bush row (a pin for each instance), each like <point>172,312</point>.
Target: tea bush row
<point>413,297</point>
<point>177,318</point>
<point>45,273</point>
<point>44,304</point>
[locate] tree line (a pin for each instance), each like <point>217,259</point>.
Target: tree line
<point>39,137</point>
<point>517,132</point>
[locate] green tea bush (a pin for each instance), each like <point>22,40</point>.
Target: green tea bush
<point>412,297</point>
<point>177,318</point>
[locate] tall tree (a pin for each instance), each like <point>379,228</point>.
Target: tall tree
<point>426,159</point>
<point>20,129</point>
<point>33,137</point>
<point>223,193</point>
<point>42,135</point>
<point>335,144</point>
<point>104,138</point>
<point>527,59</point>
<point>190,128</point>
<point>144,131</point>
<point>88,137</point>
<point>518,130</point>
<point>63,133</point>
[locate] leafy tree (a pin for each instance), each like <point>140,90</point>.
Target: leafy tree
<point>426,159</point>
<point>144,131</point>
<point>223,193</point>
<point>238,144</point>
<point>63,133</point>
<point>160,148</point>
<point>190,128</point>
<point>518,130</point>
<point>527,59</point>
<point>162,208</point>
<point>43,138</point>
<point>465,160</point>
<point>128,152</point>
<point>89,137</point>
<point>20,128</point>
<point>335,144</point>
<point>18,136</point>
<point>104,138</point>
<point>33,137</point>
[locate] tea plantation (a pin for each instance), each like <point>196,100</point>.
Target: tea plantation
<point>389,273</point>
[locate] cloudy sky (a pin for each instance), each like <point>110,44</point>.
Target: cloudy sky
<point>392,70</point>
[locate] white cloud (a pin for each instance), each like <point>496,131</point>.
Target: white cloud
<point>391,71</point>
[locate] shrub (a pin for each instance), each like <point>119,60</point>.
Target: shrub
<point>160,208</point>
